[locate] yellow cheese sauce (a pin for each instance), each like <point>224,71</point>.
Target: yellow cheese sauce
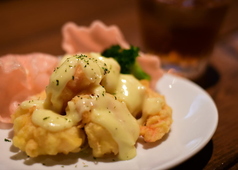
<point>49,119</point>
<point>58,80</point>
<point>151,106</point>
<point>114,116</point>
<point>32,103</point>
<point>66,72</point>
<point>131,92</point>
<point>110,80</point>
<point>95,68</point>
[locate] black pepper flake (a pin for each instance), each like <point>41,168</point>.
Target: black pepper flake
<point>106,71</point>
<point>56,69</point>
<point>57,82</point>
<point>46,118</point>
<point>7,140</point>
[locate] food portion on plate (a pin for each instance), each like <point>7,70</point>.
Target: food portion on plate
<point>89,102</point>
<point>102,98</point>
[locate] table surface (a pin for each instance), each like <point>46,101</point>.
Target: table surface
<point>35,26</point>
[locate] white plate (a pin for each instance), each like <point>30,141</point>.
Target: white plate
<point>195,120</point>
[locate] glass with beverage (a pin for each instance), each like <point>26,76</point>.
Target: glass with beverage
<point>182,32</point>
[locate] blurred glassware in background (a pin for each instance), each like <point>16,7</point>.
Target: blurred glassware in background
<point>182,32</point>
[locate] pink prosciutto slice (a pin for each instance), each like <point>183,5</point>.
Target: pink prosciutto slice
<point>22,76</point>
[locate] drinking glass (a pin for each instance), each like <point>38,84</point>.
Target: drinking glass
<point>182,32</point>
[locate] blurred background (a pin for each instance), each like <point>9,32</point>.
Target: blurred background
<point>40,22</point>
<point>28,26</point>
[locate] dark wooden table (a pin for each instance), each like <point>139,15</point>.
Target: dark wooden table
<point>35,26</point>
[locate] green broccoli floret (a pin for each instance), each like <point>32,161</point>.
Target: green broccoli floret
<point>127,60</point>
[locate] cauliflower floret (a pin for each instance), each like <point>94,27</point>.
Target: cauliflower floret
<point>35,140</point>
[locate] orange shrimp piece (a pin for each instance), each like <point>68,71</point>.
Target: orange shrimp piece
<point>157,126</point>
<point>153,126</point>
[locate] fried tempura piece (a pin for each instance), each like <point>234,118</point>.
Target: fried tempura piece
<point>35,140</point>
<point>75,74</point>
<point>100,140</point>
<point>156,117</point>
<point>79,73</point>
<point>108,124</point>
